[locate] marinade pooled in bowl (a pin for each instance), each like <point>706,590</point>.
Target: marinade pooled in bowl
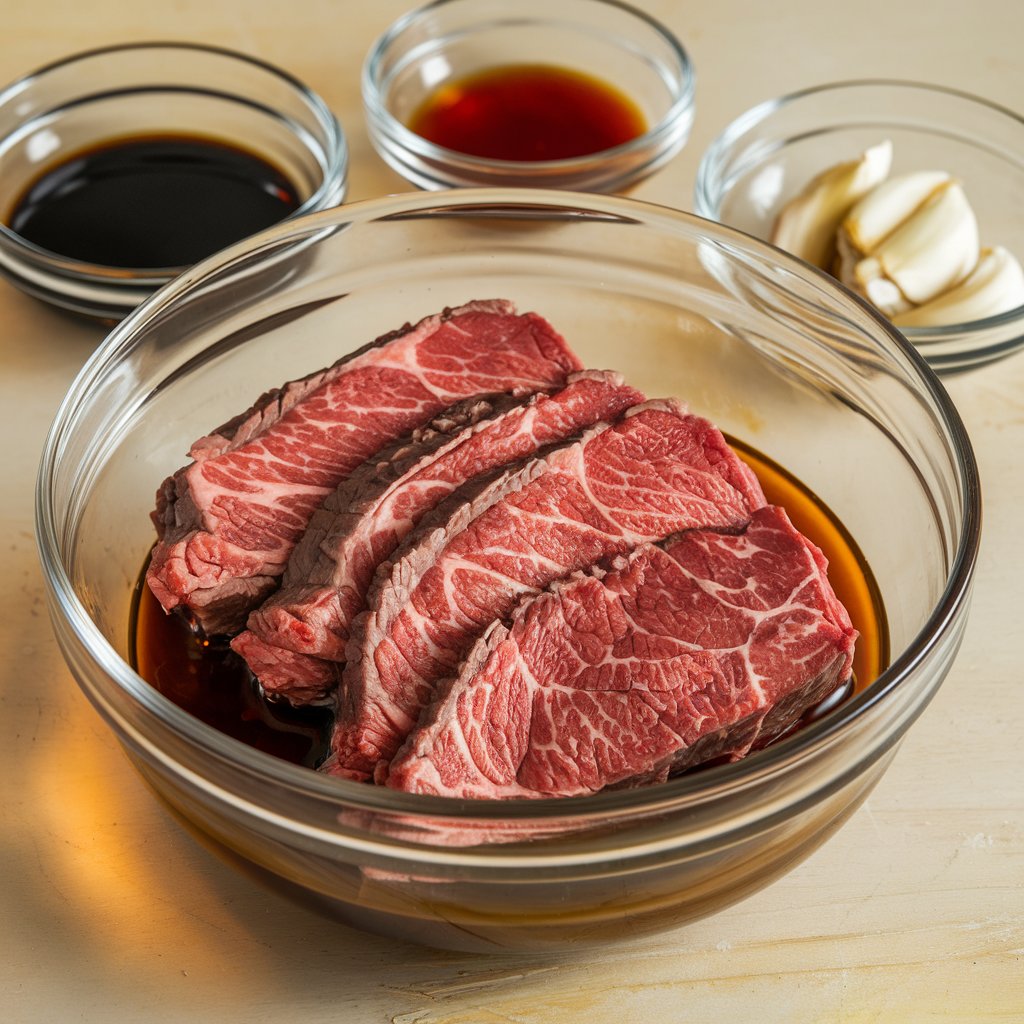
<point>511,575</point>
<point>207,679</point>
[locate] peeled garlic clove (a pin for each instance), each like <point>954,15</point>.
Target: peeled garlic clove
<point>996,285</point>
<point>934,249</point>
<point>871,282</point>
<point>807,224</point>
<point>886,207</point>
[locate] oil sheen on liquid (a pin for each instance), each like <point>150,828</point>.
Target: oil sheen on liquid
<point>210,681</point>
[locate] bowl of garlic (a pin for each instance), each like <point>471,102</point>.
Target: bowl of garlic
<point>908,194</point>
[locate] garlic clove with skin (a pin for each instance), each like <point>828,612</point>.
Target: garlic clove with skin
<point>921,253</point>
<point>909,244</point>
<point>934,249</point>
<point>807,224</point>
<point>877,215</point>
<point>886,207</point>
<point>871,282</point>
<point>996,285</point>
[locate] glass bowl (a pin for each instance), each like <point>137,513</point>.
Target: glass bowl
<point>772,350</point>
<point>449,39</point>
<point>149,90</point>
<point>768,154</point>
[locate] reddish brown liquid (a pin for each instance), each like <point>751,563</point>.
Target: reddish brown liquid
<point>211,682</point>
<point>528,112</point>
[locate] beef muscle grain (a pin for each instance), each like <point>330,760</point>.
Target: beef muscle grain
<point>655,472</point>
<point>227,522</point>
<point>682,653</point>
<point>295,640</point>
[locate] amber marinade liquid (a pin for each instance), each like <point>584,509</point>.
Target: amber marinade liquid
<point>210,681</point>
<point>848,571</point>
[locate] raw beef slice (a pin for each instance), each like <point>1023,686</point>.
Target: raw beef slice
<point>228,521</point>
<point>296,638</point>
<point>682,653</point>
<point>657,471</point>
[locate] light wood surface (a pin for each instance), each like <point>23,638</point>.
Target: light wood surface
<point>913,912</point>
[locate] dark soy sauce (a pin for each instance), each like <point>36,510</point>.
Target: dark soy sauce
<point>160,202</point>
<point>209,680</point>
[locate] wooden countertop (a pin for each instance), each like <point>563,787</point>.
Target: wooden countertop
<point>913,912</point>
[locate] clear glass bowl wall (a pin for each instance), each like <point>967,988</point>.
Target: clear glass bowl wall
<point>769,349</point>
<point>768,154</point>
<point>449,39</point>
<point>146,90</point>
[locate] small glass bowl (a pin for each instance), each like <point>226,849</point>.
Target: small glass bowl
<point>449,39</point>
<point>145,90</point>
<point>768,154</point>
<point>770,348</point>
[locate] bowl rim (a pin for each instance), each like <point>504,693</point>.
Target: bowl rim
<point>333,171</point>
<point>709,171</point>
<point>681,791</point>
<point>409,141</point>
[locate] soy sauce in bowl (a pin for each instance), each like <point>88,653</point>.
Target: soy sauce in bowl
<point>121,167</point>
<point>155,202</point>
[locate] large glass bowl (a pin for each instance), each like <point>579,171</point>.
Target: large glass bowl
<point>772,350</point>
<point>768,154</point>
